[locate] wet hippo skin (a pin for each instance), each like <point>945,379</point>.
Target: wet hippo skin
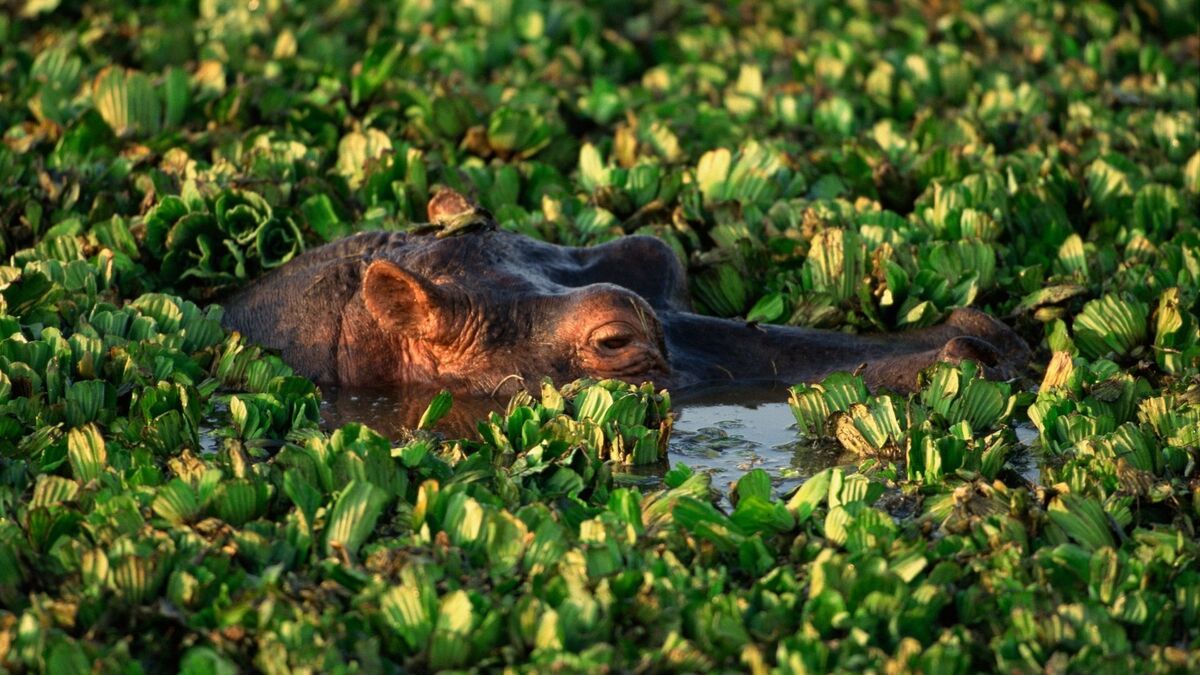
<point>486,312</point>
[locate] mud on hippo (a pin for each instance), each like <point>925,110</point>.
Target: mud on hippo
<point>488,312</point>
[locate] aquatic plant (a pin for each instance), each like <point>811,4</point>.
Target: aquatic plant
<point>170,501</point>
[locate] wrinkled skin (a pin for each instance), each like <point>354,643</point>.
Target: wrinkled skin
<point>488,312</point>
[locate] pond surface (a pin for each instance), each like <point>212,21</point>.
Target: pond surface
<point>727,431</point>
<point>723,431</point>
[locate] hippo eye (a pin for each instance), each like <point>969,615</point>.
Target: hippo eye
<point>619,349</point>
<point>615,343</point>
<point>613,337</point>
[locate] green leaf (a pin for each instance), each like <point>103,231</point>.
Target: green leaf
<point>768,308</point>
<point>58,71</point>
<point>88,401</point>
<point>128,103</point>
<point>358,151</point>
<point>437,409</point>
<point>1083,519</point>
<point>810,495</point>
<point>627,411</point>
<point>1110,325</point>
<point>837,263</point>
<point>592,173</point>
<point>238,501</point>
<point>353,517</point>
<point>410,611</point>
<point>375,69</point>
<point>205,661</point>
<point>320,215</point>
<point>176,502</point>
<point>834,116</point>
<point>593,403</point>
<point>176,95</point>
<point>813,404</point>
<point>518,132</point>
<point>722,290</point>
<point>135,578</point>
<point>1156,210</point>
<point>51,490</point>
<point>276,242</point>
<point>303,495</point>
<point>85,448</point>
<point>450,646</point>
<point>758,514</point>
<point>756,483</point>
<point>711,174</point>
<point>706,522</point>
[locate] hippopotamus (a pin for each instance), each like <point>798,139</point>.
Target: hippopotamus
<point>482,311</point>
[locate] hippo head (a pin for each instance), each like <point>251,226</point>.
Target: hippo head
<point>483,311</point>
<point>455,313</point>
<point>486,309</point>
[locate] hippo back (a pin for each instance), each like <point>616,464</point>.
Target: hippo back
<point>298,309</point>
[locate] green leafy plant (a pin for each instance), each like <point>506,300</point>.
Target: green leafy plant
<point>170,498</point>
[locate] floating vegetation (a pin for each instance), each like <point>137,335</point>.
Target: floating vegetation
<point>169,499</point>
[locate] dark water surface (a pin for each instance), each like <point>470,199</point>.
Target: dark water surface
<point>728,430</point>
<point>724,431</point>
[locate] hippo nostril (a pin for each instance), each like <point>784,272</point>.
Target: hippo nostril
<point>973,348</point>
<point>994,332</point>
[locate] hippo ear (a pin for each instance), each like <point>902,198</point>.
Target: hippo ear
<point>401,300</point>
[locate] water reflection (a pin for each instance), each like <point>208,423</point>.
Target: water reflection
<point>394,411</point>
<point>728,430</point>
<point>723,430</point>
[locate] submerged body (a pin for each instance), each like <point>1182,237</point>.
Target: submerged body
<point>490,312</point>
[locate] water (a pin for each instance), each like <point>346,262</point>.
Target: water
<point>1024,461</point>
<point>393,412</point>
<point>728,431</point>
<point>724,431</point>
